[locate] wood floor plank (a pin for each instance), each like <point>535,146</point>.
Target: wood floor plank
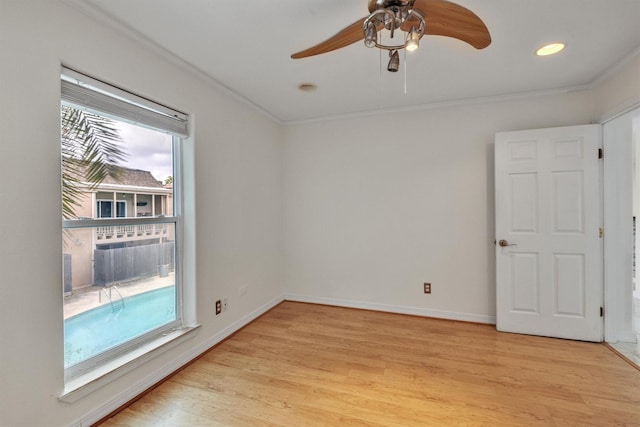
<point>313,365</point>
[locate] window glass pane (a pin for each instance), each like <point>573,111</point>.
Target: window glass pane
<point>118,277</point>
<point>121,209</point>
<point>104,209</point>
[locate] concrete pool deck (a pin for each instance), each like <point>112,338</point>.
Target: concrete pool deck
<point>90,297</point>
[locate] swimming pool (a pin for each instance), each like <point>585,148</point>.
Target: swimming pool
<point>99,329</point>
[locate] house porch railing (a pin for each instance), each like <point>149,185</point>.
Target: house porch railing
<point>131,232</point>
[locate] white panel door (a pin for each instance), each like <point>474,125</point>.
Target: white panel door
<point>548,241</point>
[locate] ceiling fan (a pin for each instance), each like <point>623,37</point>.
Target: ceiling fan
<point>415,18</point>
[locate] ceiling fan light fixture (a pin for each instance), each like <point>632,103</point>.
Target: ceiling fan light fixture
<point>394,61</point>
<point>370,35</point>
<point>550,49</point>
<point>413,40</point>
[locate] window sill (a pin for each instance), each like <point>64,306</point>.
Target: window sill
<point>80,386</point>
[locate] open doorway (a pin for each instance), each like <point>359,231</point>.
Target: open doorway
<point>622,233</point>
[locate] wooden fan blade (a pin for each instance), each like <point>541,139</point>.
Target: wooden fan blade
<point>345,37</point>
<point>443,18</point>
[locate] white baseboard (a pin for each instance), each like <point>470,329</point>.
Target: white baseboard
<point>414,311</point>
<point>140,387</point>
<point>626,336</point>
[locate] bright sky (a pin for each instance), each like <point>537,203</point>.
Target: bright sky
<point>147,150</point>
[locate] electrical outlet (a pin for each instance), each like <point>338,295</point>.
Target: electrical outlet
<point>427,288</point>
<point>218,307</point>
<point>225,304</point>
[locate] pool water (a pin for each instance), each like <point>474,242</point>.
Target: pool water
<point>109,325</point>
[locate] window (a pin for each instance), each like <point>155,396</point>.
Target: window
<point>105,209</point>
<point>121,221</point>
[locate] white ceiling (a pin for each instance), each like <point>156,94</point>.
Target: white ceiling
<point>246,46</point>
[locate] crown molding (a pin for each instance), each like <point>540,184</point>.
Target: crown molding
<point>444,104</point>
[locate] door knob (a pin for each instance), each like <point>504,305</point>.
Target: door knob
<point>504,243</point>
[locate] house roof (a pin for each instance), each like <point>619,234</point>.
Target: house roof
<point>122,176</point>
<point>133,177</point>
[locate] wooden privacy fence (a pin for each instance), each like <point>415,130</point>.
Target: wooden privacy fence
<point>124,264</point>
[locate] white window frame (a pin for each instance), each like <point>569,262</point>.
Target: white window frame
<point>83,92</point>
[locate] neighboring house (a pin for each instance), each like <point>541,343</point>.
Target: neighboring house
<point>89,253</point>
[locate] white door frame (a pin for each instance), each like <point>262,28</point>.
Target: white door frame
<point>618,241</point>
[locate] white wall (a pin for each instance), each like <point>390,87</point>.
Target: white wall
<point>376,206</point>
<point>234,157</point>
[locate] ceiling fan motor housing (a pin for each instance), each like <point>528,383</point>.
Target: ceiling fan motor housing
<point>396,12</point>
<point>384,4</point>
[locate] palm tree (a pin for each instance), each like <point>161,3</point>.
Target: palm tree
<point>90,152</point>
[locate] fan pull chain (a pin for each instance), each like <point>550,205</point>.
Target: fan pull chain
<point>381,65</point>
<point>405,71</point>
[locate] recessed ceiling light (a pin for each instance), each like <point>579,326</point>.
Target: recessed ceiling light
<point>550,49</point>
<point>308,87</point>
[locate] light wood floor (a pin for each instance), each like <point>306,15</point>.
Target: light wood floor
<point>312,365</point>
